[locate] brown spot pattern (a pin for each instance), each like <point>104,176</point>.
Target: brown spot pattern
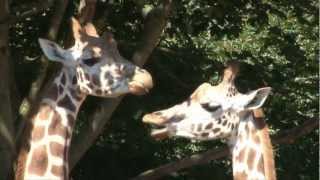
<point>219,120</point>
<point>63,79</point>
<point>44,111</point>
<point>57,170</point>
<point>209,126</point>
<point>60,89</point>
<point>256,139</point>
<point>67,103</point>
<point>240,176</point>
<point>56,127</point>
<point>241,155</point>
<point>98,92</point>
<point>76,94</point>
<point>39,161</point>
<point>260,167</point>
<point>56,149</point>
<point>216,130</point>
<point>87,77</point>
<point>53,92</point>
<point>224,122</point>
<point>71,120</point>
<point>110,81</point>
<point>74,80</point>
<point>37,133</point>
<point>205,134</point>
<point>96,81</point>
<point>250,158</point>
<point>90,86</point>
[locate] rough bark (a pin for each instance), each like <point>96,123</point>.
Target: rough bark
<point>7,147</point>
<point>284,137</point>
<point>87,9</point>
<point>154,25</point>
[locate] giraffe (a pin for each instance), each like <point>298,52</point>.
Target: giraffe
<point>221,112</point>
<point>93,66</point>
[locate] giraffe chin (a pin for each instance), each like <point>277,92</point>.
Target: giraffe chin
<point>159,130</point>
<point>137,88</point>
<point>160,134</point>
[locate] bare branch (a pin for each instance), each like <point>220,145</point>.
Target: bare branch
<point>154,25</point>
<point>87,9</point>
<point>285,137</point>
<point>291,135</point>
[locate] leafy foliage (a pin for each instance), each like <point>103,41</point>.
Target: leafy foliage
<point>276,40</point>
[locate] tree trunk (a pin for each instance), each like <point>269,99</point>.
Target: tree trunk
<point>7,147</point>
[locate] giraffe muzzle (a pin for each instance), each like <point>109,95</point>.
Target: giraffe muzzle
<point>141,82</point>
<point>154,119</point>
<point>159,130</point>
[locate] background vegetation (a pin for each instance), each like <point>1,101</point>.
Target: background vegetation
<point>277,41</point>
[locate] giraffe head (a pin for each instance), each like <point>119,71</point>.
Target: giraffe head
<point>95,65</point>
<point>211,112</point>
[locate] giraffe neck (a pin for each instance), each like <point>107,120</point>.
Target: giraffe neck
<point>51,130</point>
<point>252,156</point>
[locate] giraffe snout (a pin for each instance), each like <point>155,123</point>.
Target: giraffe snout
<point>141,82</point>
<point>154,119</point>
<point>159,131</point>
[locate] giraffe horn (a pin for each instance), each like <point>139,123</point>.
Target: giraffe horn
<point>231,71</point>
<point>76,28</point>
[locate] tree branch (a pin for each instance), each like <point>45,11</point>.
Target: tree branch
<point>285,137</point>
<point>87,9</point>
<point>154,25</point>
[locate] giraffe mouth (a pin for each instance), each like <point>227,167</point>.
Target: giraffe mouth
<point>159,129</point>
<point>140,83</point>
<point>160,134</point>
<point>138,88</point>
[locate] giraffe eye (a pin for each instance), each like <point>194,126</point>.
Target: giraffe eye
<point>209,107</point>
<point>90,61</point>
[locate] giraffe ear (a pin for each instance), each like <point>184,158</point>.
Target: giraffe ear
<point>255,99</point>
<point>54,52</point>
<point>90,30</point>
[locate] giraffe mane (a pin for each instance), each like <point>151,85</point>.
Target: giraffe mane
<point>23,143</point>
<point>267,149</point>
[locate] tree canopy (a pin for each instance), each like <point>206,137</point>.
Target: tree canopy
<point>277,43</point>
